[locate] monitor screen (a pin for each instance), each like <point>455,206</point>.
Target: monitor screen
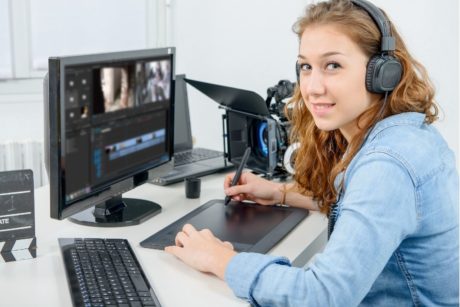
<point>110,122</point>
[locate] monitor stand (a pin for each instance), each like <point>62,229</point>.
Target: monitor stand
<point>117,212</point>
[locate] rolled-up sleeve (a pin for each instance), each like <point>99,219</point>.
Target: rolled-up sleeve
<point>242,281</point>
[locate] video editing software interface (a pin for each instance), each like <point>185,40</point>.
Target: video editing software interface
<point>116,120</point>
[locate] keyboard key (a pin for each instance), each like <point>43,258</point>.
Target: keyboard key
<point>139,283</point>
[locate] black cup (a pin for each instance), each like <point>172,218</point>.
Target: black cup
<point>192,187</point>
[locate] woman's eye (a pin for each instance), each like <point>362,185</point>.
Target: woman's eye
<point>333,66</point>
<point>305,67</point>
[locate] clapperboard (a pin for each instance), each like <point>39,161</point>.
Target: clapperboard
<point>17,219</point>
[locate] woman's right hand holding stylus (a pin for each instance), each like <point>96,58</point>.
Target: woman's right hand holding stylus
<point>254,188</point>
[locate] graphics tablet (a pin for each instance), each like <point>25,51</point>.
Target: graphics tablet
<point>248,226</point>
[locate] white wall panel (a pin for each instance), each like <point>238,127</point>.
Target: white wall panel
<point>68,27</point>
<point>5,41</point>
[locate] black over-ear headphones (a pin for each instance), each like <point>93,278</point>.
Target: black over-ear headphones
<point>384,71</point>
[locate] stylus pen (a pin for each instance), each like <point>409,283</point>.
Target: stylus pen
<point>237,176</point>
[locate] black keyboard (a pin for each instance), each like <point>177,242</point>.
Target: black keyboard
<point>195,155</point>
<point>105,272</point>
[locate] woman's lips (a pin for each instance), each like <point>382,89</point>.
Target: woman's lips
<point>321,108</point>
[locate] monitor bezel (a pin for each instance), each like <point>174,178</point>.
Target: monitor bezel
<point>59,207</point>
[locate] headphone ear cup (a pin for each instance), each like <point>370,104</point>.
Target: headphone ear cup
<point>297,71</point>
<point>383,74</point>
<point>370,70</point>
<point>390,73</point>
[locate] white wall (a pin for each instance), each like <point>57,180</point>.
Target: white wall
<point>21,110</point>
<point>5,53</point>
<point>249,44</point>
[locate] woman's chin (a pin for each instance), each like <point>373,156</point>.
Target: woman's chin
<point>324,126</point>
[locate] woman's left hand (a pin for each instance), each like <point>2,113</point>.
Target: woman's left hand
<point>202,250</point>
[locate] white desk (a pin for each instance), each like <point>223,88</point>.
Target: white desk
<point>42,281</point>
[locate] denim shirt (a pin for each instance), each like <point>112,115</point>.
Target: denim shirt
<point>395,237</point>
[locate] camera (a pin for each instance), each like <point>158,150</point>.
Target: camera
<point>266,134</point>
<point>251,121</point>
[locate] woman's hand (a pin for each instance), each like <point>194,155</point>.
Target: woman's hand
<point>202,250</point>
<point>254,188</point>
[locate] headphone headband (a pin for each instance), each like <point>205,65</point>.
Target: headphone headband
<point>388,41</point>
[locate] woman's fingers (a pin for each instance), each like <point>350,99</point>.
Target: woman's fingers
<point>189,234</point>
<point>228,180</point>
<point>189,229</point>
<point>239,189</point>
<point>174,250</point>
<point>207,233</point>
<point>244,179</point>
<point>181,239</point>
<point>183,236</point>
<point>228,244</point>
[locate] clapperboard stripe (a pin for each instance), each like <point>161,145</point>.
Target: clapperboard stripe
<point>17,228</point>
<point>11,222</point>
<point>15,193</point>
<point>13,250</point>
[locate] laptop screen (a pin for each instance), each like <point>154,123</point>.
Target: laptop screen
<point>182,128</point>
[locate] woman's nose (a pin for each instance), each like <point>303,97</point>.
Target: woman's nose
<point>314,83</point>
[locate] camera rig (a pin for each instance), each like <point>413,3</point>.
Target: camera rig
<point>249,120</point>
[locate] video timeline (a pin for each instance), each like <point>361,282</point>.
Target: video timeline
<point>132,145</point>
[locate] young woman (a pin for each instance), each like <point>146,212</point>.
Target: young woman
<point>371,160</point>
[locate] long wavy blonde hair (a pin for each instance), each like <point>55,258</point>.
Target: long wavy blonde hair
<point>320,157</point>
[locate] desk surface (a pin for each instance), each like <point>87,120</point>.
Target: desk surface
<point>42,281</point>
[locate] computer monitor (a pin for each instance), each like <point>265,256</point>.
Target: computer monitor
<point>109,121</point>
